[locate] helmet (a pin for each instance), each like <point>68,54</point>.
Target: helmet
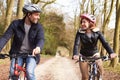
<point>89,17</point>
<point>29,8</point>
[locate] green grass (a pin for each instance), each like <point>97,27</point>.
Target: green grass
<point>115,69</point>
<point>45,56</point>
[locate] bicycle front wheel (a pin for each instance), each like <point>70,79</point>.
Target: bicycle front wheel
<point>14,78</point>
<point>22,76</point>
<point>93,78</point>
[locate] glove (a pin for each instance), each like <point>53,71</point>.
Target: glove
<point>2,56</point>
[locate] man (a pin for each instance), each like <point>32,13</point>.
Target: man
<point>28,38</point>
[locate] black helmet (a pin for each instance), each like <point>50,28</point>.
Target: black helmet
<point>29,8</point>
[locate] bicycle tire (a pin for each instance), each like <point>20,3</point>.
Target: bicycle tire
<point>93,73</point>
<point>14,78</point>
<point>22,77</point>
<point>94,77</point>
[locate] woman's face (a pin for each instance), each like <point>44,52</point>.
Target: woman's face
<point>85,24</point>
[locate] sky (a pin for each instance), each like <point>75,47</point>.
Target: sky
<point>67,6</point>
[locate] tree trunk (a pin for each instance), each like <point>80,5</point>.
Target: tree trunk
<point>106,20</point>
<point>10,4</point>
<point>19,9</point>
<point>92,7</point>
<point>116,34</point>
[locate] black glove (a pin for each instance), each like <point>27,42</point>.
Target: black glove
<point>2,56</point>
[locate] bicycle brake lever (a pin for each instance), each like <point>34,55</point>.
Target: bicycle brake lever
<point>105,58</point>
<point>2,56</point>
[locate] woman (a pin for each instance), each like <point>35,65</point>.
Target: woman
<point>87,37</point>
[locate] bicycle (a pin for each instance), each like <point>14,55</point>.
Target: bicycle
<point>93,67</point>
<point>17,69</point>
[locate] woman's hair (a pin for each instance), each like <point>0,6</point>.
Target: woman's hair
<point>92,25</point>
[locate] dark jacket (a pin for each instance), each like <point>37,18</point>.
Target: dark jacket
<point>17,31</point>
<point>88,46</point>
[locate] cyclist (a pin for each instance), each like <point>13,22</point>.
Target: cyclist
<point>28,38</point>
<point>87,37</point>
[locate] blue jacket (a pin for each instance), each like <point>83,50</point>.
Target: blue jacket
<point>88,46</point>
<point>17,31</point>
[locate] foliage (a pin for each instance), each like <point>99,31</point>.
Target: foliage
<point>54,28</point>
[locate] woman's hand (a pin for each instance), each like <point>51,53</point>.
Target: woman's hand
<point>113,55</point>
<point>75,57</point>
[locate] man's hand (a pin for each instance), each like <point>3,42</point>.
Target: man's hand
<point>36,51</point>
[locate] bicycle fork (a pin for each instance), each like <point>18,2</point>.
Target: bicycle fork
<point>93,72</point>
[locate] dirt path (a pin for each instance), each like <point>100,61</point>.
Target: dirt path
<point>58,68</point>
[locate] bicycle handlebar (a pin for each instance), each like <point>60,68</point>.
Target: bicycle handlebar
<point>92,59</point>
<point>3,56</point>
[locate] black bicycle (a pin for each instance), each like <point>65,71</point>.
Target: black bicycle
<point>93,67</point>
<point>17,69</point>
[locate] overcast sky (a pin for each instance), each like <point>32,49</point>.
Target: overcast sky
<point>67,6</point>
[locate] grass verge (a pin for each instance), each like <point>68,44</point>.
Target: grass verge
<point>115,69</point>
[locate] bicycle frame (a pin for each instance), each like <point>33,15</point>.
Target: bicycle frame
<point>17,69</point>
<point>93,70</point>
<point>93,67</point>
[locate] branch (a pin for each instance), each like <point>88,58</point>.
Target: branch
<point>35,1</point>
<point>46,3</point>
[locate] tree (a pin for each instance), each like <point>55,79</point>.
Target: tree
<point>106,20</point>
<point>116,34</point>
<point>19,9</point>
<point>10,4</point>
<point>92,7</point>
<point>54,30</point>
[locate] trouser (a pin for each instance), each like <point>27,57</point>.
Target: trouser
<point>30,66</point>
<point>84,68</point>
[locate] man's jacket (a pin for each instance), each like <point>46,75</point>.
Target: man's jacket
<point>88,46</point>
<point>17,31</point>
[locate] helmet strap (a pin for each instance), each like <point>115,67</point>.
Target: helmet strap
<point>29,18</point>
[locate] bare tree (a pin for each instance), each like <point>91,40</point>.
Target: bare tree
<point>10,4</point>
<point>106,19</point>
<point>116,34</point>
<point>19,9</point>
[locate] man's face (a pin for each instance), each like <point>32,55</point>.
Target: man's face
<point>34,17</point>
